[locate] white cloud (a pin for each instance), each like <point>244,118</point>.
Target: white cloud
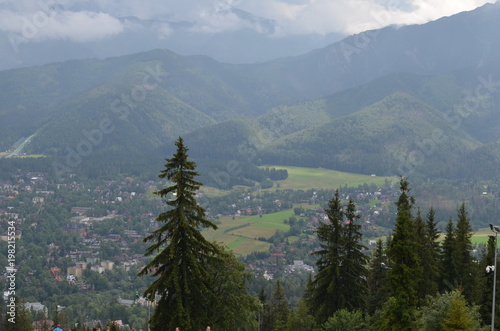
<point>87,20</point>
<point>353,16</point>
<point>43,24</point>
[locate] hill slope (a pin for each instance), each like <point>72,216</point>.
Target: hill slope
<point>393,136</point>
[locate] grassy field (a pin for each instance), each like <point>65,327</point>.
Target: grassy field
<point>481,236</point>
<point>308,178</point>
<point>241,234</point>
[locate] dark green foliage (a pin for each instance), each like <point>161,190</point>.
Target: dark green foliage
<point>278,307</point>
<point>378,285</point>
<point>182,266</point>
<point>346,320</point>
<point>353,265</point>
<point>448,267</point>
<point>230,302</point>
<point>341,279</point>
<point>466,267</point>
<point>427,235</point>
<point>19,319</point>
<point>448,311</point>
<point>406,268</point>
<point>300,319</point>
<point>485,281</point>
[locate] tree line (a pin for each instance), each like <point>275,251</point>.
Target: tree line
<point>418,279</point>
<point>407,280</point>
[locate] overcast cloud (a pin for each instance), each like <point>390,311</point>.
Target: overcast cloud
<point>89,20</point>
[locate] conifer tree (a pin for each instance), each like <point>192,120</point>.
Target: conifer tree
<point>466,268</point>
<point>433,248</point>
<point>420,239</point>
<point>427,235</point>
<point>458,316</point>
<point>432,230</point>
<point>353,270</point>
<point>181,267</point>
<point>324,290</point>
<point>406,267</point>
<point>448,268</point>
<point>279,310</point>
<point>377,280</point>
<point>486,281</point>
<point>341,279</point>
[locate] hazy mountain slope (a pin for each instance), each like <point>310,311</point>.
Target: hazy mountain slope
<point>382,138</point>
<point>463,40</point>
<point>194,91</point>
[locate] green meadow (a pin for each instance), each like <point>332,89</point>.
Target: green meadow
<point>481,236</point>
<point>241,234</point>
<point>318,178</point>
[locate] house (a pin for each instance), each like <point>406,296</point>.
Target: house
<point>81,211</point>
<point>108,265</point>
<point>74,271</point>
<point>98,269</point>
<point>35,306</point>
<point>38,199</point>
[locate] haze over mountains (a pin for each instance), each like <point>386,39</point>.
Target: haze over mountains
<point>421,99</point>
<point>36,41</point>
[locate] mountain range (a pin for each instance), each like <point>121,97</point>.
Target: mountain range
<point>254,41</point>
<point>418,100</point>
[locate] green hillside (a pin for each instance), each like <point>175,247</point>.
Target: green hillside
<point>380,139</point>
<point>159,92</point>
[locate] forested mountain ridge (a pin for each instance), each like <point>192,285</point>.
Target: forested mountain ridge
<point>448,44</point>
<point>397,124</point>
<point>378,139</point>
<point>129,108</point>
<point>177,92</point>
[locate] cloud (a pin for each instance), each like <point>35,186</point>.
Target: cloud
<point>44,22</point>
<point>89,20</point>
<point>352,16</point>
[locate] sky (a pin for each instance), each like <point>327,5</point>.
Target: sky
<point>95,20</point>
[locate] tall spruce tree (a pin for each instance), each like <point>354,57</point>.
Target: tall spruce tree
<point>325,297</point>
<point>447,265</point>
<point>466,268</point>
<point>181,267</point>
<point>486,281</point>
<point>406,267</point>
<point>427,235</point>
<point>341,279</point>
<point>354,269</point>
<point>278,306</point>
<point>377,280</point>
<point>433,252</point>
